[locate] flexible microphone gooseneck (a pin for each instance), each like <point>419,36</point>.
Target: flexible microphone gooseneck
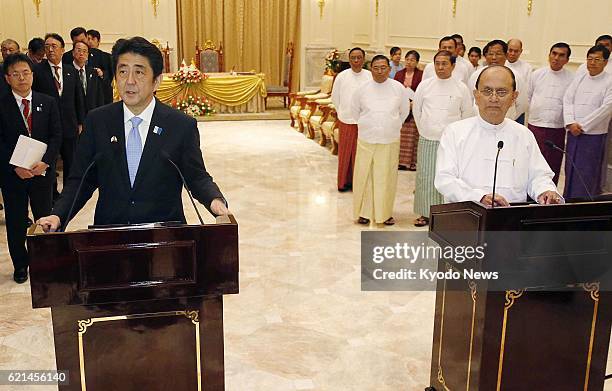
<point>167,157</point>
<point>500,145</point>
<point>552,145</point>
<point>78,191</point>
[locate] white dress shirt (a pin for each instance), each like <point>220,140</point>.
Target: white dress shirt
<point>521,68</point>
<point>380,110</point>
<point>346,83</point>
<point>19,100</point>
<point>466,162</point>
<point>588,102</point>
<point>468,65</point>
<point>437,103</point>
<point>61,74</point>
<point>521,104</point>
<point>546,91</point>
<point>143,128</point>
<point>460,73</point>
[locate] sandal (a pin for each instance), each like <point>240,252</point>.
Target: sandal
<point>363,220</point>
<point>403,168</point>
<point>389,221</point>
<point>421,221</point>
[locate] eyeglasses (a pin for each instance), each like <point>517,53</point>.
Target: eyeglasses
<point>19,75</point>
<point>380,69</point>
<point>500,93</point>
<point>51,46</point>
<point>596,60</point>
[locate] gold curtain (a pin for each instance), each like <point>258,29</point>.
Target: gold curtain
<point>255,33</point>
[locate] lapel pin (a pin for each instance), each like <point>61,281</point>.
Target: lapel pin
<point>39,108</point>
<point>157,130</point>
<point>113,139</point>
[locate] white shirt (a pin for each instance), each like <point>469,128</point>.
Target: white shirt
<point>346,83</point>
<point>380,110</point>
<point>520,104</point>
<point>61,74</point>
<point>19,99</point>
<point>143,128</point>
<point>546,90</point>
<point>521,68</point>
<point>588,102</point>
<point>466,162</point>
<point>468,65</point>
<point>583,69</point>
<point>437,103</point>
<point>460,73</point>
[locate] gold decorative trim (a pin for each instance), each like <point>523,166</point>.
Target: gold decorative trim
<point>511,296</point>
<point>474,293</point>
<point>155,3</point>
<point>440,374</point>
<point>321,4</point>
<point>84,324</point>
<point>37,6</point>
<point>454,8</point>
<point>529,7</point>
<point>376,5</point>
<point>593,289</point>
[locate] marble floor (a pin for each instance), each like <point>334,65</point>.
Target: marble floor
<point>300,321</point>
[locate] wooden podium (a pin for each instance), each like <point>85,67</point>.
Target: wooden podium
<point>522,338</point>
<point>139,307</point>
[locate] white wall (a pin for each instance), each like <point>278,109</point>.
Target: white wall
<point>113,18</point>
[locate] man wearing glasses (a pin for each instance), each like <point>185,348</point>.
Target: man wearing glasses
<point>35,115</point>
<point>587,111</point>
<point>466,155</point>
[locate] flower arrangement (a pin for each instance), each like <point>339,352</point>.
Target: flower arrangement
<point>195,107</point>
<point>188,74</point>
<point>332,62</point>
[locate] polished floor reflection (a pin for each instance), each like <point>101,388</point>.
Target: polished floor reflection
<point>300,321</point>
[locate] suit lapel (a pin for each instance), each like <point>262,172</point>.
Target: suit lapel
<point>153,143</point>
<point>37,111</point>
<point>48,74</point>
<point>116,137</point>
<point>20,126</point>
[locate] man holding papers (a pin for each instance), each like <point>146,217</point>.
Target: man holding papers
<point>35,117</point>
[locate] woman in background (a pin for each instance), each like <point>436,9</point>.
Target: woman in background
<point>410,77</point>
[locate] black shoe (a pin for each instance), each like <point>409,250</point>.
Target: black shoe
<point>29,222</point>
<point>20,275</point>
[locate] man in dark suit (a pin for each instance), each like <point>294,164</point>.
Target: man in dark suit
<point>33,115</point>
<point>90,81</point>
<point>129,144</point>
<point>102,63</point>
<point>77,34</point>
<point>61,82</point>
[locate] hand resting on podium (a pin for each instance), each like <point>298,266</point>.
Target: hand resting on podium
<point>546,198</point>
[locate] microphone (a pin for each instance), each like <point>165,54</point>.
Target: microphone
<point>167,157</point>
<point>552,145</point>
<point>76,195</point>
<point>500,145</point>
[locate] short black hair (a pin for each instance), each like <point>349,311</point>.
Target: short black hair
<point>75,32</point>
<point>55,36</point>
<point>15,58</point>
<point>93,33</point>
<point>446,53</point>
<point>380,57</point>
<point>357,48</point>
<point>140,46</point>
<point>475,49</point>
<point>604,37</point>
<point>494,42</point>
<point>455,36</point>
<point>36,45</point>
<point>600,48</point>
<point>447,38</point>
<point>394,49</point>
<point>562,45</point>
<point>413,53</point>
<point>498,66</point>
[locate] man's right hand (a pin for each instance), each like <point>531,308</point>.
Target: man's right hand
<point>49,223</point>
<point>23,173</point>
<point>575,129</point>
<point>487,199</point>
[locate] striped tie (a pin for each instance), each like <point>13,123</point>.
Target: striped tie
<point>134,149</point>
<point>56,79</point>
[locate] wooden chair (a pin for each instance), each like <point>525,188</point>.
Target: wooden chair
<point>283,90</point>
<point>303,101</point>
<point>209,58</point>
<point>165,53</point>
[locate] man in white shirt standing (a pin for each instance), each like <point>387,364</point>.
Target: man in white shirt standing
<point>546,89</point>
<point>466,156</point>
<point>519,67</point>
<point>438,101</point>
<point>380,106</point>
<point>461,52</point>
<point>603,40</point>
<point>461,72</point>
<point>587,110</point>
<point>346,83</point>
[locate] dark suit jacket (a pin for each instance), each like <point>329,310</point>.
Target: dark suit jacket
<point>4,86</point>
<point>67,57</point>
<point>72,101</point>
<point>46,127</point>
<point>94,96</point>
<point>102,60</point>
<point>156,195</point>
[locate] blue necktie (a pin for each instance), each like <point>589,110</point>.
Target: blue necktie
<point>134,149</point>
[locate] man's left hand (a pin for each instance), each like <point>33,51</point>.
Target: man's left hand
<point>99,72</point>
<point>39,168</point>
<point>217,206</point>
<point>550,197</point>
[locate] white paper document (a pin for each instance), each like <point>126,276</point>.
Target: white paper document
<point>27,152</point>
